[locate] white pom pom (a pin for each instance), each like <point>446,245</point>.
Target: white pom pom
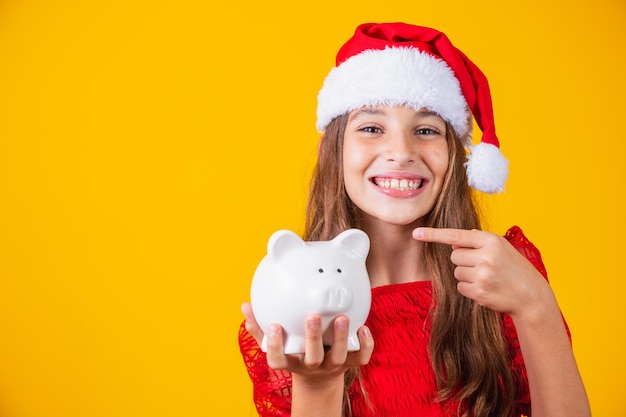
<point>487,168</point>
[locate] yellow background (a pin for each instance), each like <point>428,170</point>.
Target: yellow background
<point>149,148</point>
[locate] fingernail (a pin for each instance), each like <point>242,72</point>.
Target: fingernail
<point>366,331</point>
<point>314,323</point>
<point>273,330</point>
<point>418,233</point>
<point>342,324</point>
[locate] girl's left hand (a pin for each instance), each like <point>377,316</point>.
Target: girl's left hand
<point>490,270</point>
<point>316,361</point>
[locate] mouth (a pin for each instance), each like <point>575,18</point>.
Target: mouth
<point>399,184</point>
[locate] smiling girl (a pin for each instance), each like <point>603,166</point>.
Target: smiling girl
<point>463,322</point>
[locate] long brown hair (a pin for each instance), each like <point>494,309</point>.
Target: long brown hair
<point>467,348</point>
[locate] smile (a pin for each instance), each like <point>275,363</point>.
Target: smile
<point>401,184</point>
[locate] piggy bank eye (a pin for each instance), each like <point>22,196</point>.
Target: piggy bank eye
<point>339,270</point>
<point>321,271</point>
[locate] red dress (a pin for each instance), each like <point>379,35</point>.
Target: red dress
<point>399,378</point>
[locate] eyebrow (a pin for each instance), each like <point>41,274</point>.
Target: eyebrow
<point>426,112</point>
<point>368,111</point>
<point>377,111</point>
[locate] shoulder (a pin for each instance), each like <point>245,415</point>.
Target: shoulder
<point>518,239</point>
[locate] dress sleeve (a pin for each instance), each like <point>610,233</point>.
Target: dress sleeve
<point>271,389</point>
<point>516,237</point>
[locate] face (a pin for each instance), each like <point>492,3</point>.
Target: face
<point>394,160</point>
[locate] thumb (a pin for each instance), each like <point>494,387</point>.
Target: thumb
<point>251,324</point>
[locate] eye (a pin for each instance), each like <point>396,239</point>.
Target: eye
<point>427,131</point>
<point>371,129</point>
<point>321,271</point>
<point>339,270</point>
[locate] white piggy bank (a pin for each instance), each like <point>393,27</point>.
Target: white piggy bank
<point>298,278</point>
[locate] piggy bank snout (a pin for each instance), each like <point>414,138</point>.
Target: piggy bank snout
<point>338,299</point>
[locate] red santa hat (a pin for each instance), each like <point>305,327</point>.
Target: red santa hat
<point>400,64</point>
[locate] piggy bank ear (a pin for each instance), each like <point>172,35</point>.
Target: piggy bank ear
<point>353,240</point>
<point>281,242</point>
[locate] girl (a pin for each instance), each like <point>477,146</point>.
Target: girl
<point>463,322</point>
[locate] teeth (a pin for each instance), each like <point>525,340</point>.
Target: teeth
<point>398,184</point>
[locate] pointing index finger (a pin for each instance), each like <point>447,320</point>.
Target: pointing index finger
<point>453,237</point>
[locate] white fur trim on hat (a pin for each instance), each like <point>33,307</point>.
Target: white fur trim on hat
<point>393,76</point>
<point>486,168</point>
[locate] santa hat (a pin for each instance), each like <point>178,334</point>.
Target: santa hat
<point>400,64</point>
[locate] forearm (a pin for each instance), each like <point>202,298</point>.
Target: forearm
<point>556,388</point>
<point>314,400</point>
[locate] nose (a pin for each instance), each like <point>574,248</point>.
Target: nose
<point>400,149</point>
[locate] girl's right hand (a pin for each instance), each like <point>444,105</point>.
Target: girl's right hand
<point>316,364</point>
